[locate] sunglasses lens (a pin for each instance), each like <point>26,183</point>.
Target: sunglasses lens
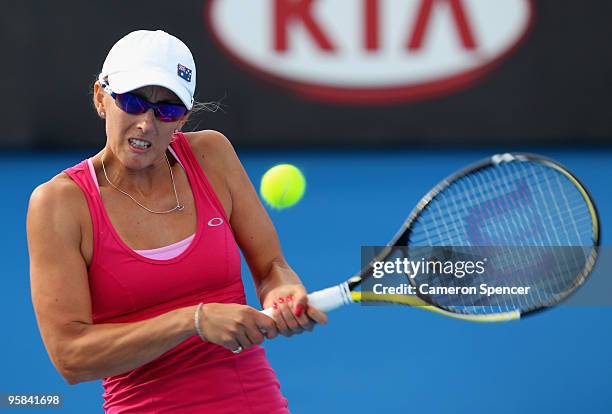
<point>132,104</point>
<point>170,112</point>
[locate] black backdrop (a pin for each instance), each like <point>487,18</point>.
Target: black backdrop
<point>554,89</point>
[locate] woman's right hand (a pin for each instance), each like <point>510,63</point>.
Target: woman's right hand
<point>233,326</point>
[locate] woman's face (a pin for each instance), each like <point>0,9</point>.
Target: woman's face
<point>123,128</point>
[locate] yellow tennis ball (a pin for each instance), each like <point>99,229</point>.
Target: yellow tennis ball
<point>282,186</point>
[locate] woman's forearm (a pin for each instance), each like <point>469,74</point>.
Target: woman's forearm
<point>278,274</point>
<point>103,350</point>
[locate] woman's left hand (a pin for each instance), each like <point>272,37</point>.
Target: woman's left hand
<point>292,313</point>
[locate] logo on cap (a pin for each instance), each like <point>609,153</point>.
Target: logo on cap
<point>184,72</point>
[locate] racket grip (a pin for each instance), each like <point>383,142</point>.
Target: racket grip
<point>326,299</point>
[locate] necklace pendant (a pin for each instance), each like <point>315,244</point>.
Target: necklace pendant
<point>180,207</point>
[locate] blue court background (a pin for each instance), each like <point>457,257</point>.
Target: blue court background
<point>367,359</point>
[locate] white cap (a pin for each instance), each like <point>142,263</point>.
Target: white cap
<point>144,58</point>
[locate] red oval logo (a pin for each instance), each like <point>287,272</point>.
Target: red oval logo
<point>370,51</point>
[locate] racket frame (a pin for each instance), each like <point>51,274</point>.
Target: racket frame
<point>401,237</point>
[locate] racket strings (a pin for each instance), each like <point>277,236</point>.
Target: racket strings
<point>454,216</point>
<point>535,217</point>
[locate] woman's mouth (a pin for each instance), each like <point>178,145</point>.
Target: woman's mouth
<point>139,144</point>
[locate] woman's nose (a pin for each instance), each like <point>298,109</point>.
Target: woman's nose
<point>147,120</point>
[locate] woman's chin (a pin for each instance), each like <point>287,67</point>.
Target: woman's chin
<point>137,160</point>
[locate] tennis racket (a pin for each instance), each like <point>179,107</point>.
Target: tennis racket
<point>524,203</point>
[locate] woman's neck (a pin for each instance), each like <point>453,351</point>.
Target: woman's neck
<point>142,181</point>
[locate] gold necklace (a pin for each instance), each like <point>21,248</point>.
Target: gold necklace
<point>178,206</point>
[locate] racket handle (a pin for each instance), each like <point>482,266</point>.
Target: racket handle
<point>326,299</point>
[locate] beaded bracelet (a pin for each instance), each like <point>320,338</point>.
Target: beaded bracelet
<point>197,321</point>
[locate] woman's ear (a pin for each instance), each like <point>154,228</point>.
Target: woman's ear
<point>98,100</point>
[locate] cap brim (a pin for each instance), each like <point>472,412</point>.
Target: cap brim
<point>122,82</point>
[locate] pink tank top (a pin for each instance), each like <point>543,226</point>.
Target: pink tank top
<point>195,376</point>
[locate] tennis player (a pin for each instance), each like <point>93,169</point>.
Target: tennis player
<point>134,253</point>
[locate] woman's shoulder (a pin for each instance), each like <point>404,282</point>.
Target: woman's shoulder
<point>58,194</point>
<point>208,140</point>
<point>212,146</point>
<point>61,186</point>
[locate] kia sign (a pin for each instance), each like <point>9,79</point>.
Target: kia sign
<point>370,51</point>
<point>341,73</point>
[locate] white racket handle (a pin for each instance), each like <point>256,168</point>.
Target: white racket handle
<point>325,300</point>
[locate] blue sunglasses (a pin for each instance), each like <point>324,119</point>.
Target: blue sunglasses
<point>135,105</point>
